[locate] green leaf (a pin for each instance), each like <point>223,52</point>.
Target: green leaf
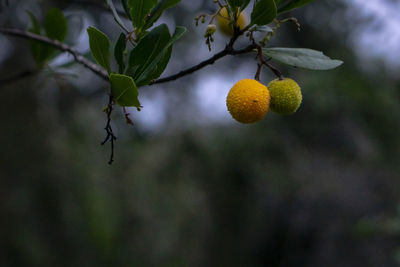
<point>116,16</point>
<point>179,32</point>
<point>139,9</point>
<point>158,65</point>
<point>264,12</point>
<point>119,51</point>
<point>147,50</point>
<point>100,47</point>
<point>242,4</point>
<point>157,11</point>
<point>55,25</point>
<point>158,69</point>
<point>124,90</point>
<point>302,58</point>
<point>292,5</point>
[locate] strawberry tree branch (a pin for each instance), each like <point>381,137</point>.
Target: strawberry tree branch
<point>78,57</point>
<point>110,137</point>
<point>262,60</point>
<point>227,51</point>
<point>101,72</point>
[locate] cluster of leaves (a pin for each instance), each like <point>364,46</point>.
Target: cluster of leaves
<point>150,53</point>
<point>54,27</point>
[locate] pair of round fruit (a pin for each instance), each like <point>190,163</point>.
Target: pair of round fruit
<point>249,101</point>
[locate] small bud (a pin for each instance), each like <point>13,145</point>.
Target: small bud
<point>211,29</point>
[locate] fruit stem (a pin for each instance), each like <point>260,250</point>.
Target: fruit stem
<point>260,56</point>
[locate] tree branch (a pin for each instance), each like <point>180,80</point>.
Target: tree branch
<point>60,46</point>
<point>110,137</point>
<point>227,51</point>
<point>79,58</point>
<point>260,56</point>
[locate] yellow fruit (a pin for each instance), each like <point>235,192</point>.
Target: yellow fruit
<point>248,101</point>
<point>285,96</point>
<point>225,25</point>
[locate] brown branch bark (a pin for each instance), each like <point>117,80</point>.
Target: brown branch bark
<point>227,51</point>
<point>78,57</point>
<point>262,60</point>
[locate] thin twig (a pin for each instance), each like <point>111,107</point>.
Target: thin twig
<point>260,56</point>
<point>210,61</point>
<point>273,69</point>
<point>229,50</point>
<point>128,119</point>
<point>60,46</point>
<point>110,137</point>
<point>258,73</point>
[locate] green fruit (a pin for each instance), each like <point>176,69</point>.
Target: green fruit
<point>285,96</point>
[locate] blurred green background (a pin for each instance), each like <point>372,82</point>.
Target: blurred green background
<point>189,186</point>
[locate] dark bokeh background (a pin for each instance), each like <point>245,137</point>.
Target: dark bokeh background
<point>319,188</point>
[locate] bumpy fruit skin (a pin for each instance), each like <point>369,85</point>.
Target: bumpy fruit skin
<point>224,23</point>
<point>248,101</point>
<point>285,96</point>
